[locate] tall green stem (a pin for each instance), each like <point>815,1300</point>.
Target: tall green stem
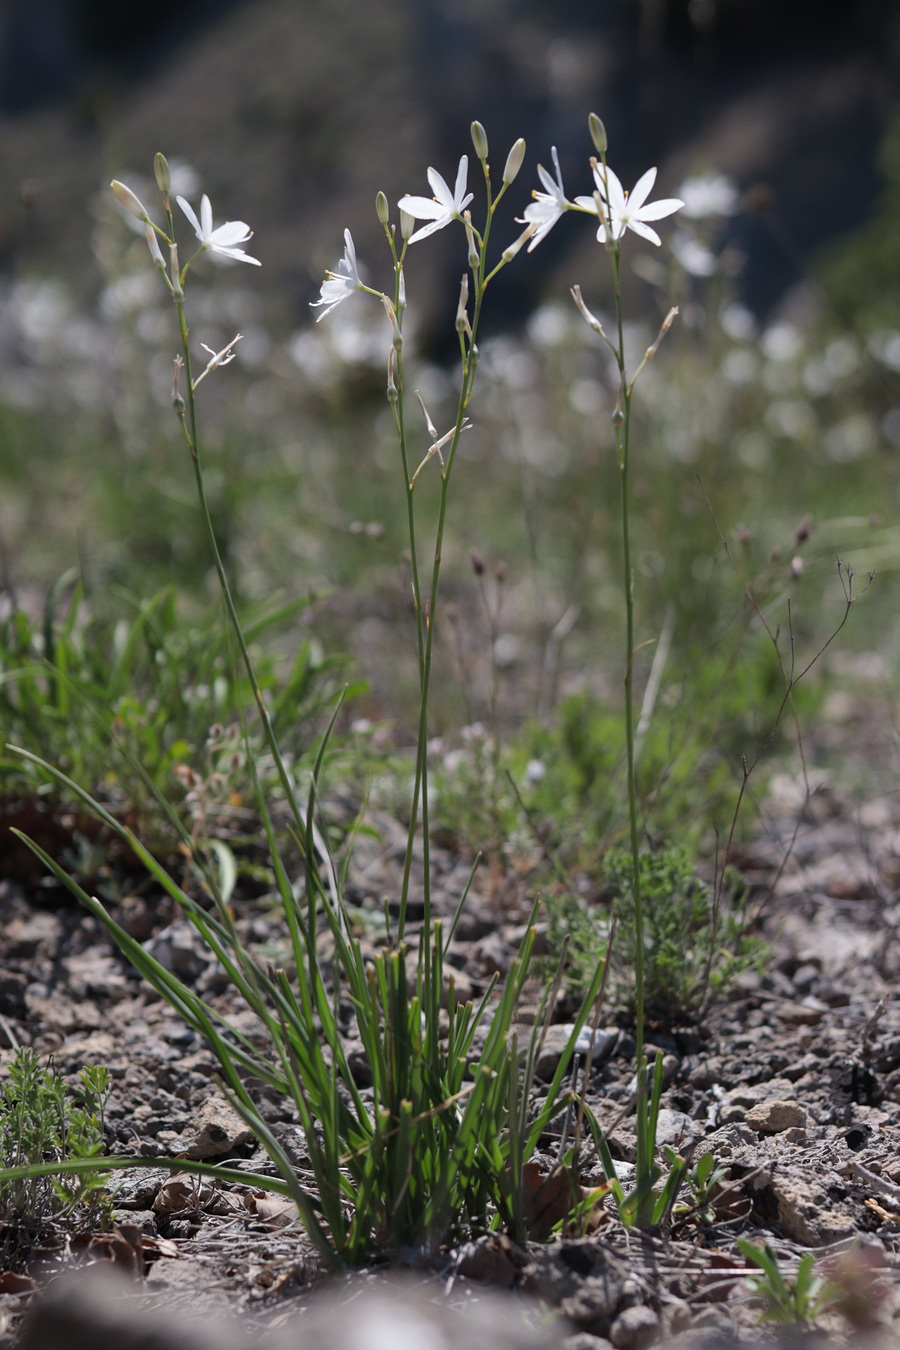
<point>622,425</point>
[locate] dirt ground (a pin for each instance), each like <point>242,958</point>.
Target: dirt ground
<point>792,1082</point>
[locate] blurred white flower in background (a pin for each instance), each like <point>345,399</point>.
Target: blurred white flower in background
<point>709,195</point>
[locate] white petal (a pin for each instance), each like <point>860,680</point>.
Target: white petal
<point>422,208</point>
<point>189,212</point>
<point>642,189</point>
<point>426,230</point>
<point>644,230</point>
<point>206,216</point>
<point>440,188</point>
<point>610,187</point>
<point>462,174</point>
<point>656,210</point>
<point>232,232</point>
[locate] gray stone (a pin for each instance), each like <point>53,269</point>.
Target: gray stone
<point>635,1328</point>
<point>772,1117</point>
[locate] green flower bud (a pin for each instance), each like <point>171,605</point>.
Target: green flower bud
<point>598,133</point>
<point>514,161</point>
<point>161,173</point>
<point>479,140</point>
<point>382,210</point>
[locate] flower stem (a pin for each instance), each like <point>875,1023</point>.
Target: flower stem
<point>622,425</point>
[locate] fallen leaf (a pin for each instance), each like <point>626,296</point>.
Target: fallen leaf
<point>270,1211</point>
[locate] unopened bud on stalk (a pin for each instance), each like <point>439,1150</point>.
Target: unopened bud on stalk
<point>432,429</point>
<point>598,133</point>
<point>470,240</point>
<point>666,325</point>
<point>132,203</point>
<point>514,161</point>
<point>407,225</point>
<point>509,253</point>
<point>477,562</point>
<point>462,317</point>
<point>161,173</point>
<point>155,251</point>
<point>585,313</point>
<point>479,140</point>
<point>382,210</point>
<point>392,319</point>
<point>401,290</point>
<point>392,394</point>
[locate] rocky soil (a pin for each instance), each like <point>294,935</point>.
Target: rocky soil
<point>792,1082</point>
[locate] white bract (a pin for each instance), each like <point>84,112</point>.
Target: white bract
<point>548,206</point>
<point>444,206</point>
<point>224,241</point>
<point>338,285</point>
<point>620,210</point>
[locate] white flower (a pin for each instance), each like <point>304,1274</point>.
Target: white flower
<point>223,241</point>
<point>626,210</point>
<point>709,195</point>
<point>338,285</point>
<point>444,206</point>
<point>548,206</point>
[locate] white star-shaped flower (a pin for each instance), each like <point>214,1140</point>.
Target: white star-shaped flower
<point>341,283</point>
<point>444,206</point>
<point>626,210</point>
<point>224,241</point>
<point>548,206</point>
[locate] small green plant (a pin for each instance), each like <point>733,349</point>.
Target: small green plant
<point>648,1203</point>
<point>44,1120</point>
<point>787,1299</point>
<point>694,944</point>
<point>704,1183</point>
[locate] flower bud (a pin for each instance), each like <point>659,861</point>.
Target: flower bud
<point>470,241</point>
<point>397,336</point>
<point>598,133</point>
<point>514,161</point>
<point>382,210</point>
<point>479,140</point>
<point>462,317</point>
<point>155,251</point>
<point>132,203</point>
<point>407,225</point>
<point>509,253</point>
<point>161,173</point>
